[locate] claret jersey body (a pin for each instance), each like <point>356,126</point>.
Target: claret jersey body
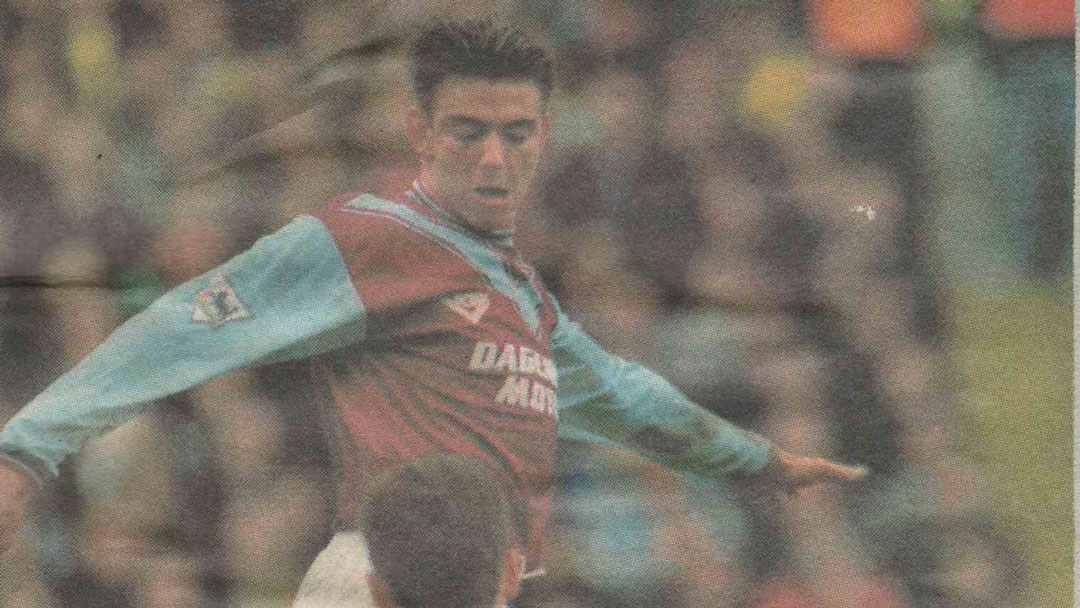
<point>456,352</point>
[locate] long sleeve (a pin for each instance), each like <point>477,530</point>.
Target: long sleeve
<point>603,398</point>
<point>289,296</point>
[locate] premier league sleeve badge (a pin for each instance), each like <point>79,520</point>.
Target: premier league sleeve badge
<point>218,303</point>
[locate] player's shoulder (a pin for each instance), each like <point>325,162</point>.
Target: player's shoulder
<point>345,205</point>
<point>360,214</point>
<point>367,225</point>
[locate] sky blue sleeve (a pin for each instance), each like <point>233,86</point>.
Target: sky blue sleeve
<point>288,296</point>
<point>603,398</point>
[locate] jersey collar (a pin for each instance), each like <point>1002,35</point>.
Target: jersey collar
<point>502,238</point>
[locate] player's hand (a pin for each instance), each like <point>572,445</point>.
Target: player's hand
<point>16,492</point>
<point>787,472</point>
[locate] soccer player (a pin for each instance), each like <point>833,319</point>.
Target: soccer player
<point>440,534</point>
<point>433,332</point>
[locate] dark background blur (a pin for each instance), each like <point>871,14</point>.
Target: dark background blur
<point>843,223</point>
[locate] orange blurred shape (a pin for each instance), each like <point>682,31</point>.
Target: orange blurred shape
<point>1025,19</point>
<point>786,594</point>
<point>874,30</point>
<point>858,591</point>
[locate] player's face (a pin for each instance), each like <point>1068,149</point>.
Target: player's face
<point>479,147</point>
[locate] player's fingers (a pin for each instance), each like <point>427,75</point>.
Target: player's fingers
<point>828,470</point>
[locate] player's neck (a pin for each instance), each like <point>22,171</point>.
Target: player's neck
<point>423,195</point>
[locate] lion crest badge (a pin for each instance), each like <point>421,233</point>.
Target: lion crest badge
<point>218,303</point>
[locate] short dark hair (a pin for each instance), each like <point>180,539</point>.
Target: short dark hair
<point>437,531</point>
<point>475,48</point>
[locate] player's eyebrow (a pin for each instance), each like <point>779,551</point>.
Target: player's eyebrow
<point>466,121</point>
<point>469,121</point>
<point>523,123</point>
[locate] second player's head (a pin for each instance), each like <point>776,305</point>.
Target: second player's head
<point>440,534</point>
<point>480,118</point>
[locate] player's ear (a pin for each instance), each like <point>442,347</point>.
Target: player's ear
<point>545,128</point>
<point>417,129</point>
<point>380,595</point>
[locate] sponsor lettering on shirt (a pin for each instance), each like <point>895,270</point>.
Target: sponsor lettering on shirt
<point>530,376</point>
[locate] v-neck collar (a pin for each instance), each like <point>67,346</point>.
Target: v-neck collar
<point>502,239</point>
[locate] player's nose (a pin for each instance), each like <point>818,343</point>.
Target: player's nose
<point>493,151</point>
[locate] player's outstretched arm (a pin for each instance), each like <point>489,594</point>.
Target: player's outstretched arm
<point>290,295</point>
<point>604,398</point>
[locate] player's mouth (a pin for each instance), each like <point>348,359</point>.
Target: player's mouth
<point>492,192</point>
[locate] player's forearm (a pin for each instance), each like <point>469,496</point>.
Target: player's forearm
<point>646,414</point>
<point>602,396</point>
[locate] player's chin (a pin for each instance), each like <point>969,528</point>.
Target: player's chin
<point>494,199</point>
<point>493,214</point>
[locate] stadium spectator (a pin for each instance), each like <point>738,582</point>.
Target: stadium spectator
<point>1031,48</point>
<point>879,120</point>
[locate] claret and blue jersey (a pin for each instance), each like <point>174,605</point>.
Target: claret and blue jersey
<point>431,337</point>
<point>456,354</point>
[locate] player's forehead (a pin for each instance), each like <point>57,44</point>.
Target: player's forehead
<point>495,102</point>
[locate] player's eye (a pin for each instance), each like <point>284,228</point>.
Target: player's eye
<point>467,134</point>
<point>468,137</point>
<point>515,137</point>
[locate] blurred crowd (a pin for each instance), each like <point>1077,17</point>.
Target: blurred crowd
<point>745,196</point>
